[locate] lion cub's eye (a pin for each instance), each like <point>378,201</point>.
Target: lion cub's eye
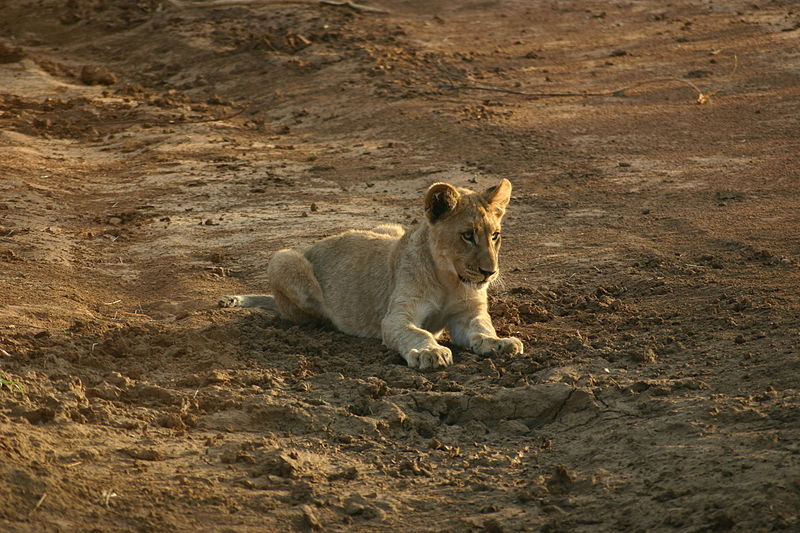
<point>468,236</point>
<point>495,235</point>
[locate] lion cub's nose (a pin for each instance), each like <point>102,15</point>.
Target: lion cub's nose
<point>486,273</point>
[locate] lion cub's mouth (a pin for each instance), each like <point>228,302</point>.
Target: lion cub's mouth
<point>470,283</point>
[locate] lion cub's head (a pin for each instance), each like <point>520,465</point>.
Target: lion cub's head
<point>465,230</point>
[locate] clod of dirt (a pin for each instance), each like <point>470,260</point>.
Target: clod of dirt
<point>512,427</point>
<point>172,421</point>
<point>564,480</point>
<point>356,504</point>
<point>217,376</point>
<point>310,517</point>
<point>529,313</point>
<point>413,468</point>
<point>278,463</point>
<point>145,453</point>
<point>35,416</point>
<point>647,355</point>
<point>576,343</point>
<point>720,521</point>
<point>10,54</point>
<point>348,474</point>
<point>534,491</point>
<point>493,526</point>
<point>97,75</point>
<point>698,74</point>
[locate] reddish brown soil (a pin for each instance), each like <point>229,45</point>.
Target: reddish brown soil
<point>154,155</point>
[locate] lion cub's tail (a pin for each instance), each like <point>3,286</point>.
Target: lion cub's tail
<point>249,300</point>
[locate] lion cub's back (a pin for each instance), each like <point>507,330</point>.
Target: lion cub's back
<point>355,272</point>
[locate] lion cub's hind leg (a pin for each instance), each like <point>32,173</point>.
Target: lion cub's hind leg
<point>297,292</point>
<point>249,300</point>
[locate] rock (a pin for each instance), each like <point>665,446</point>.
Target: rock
<point>97,75</point>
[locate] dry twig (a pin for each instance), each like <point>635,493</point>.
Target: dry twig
<point>38,503</point>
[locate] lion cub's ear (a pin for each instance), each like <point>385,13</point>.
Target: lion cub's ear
<point>440,199</point>
<point>499,195</point>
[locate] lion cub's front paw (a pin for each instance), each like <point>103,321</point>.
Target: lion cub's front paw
<point>230,301</point>
<point>437,357</point>
<point>494,346</point>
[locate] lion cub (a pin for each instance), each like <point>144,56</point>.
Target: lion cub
<point>404,286</point>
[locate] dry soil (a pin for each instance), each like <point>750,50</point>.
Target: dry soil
<point>154,154</point>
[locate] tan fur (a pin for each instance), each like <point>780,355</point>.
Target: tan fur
<point>403,286</point>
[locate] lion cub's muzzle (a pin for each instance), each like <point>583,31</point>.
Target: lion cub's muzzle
<point>480,278</point>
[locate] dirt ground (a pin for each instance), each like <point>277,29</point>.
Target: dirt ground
<point>154,154</point>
